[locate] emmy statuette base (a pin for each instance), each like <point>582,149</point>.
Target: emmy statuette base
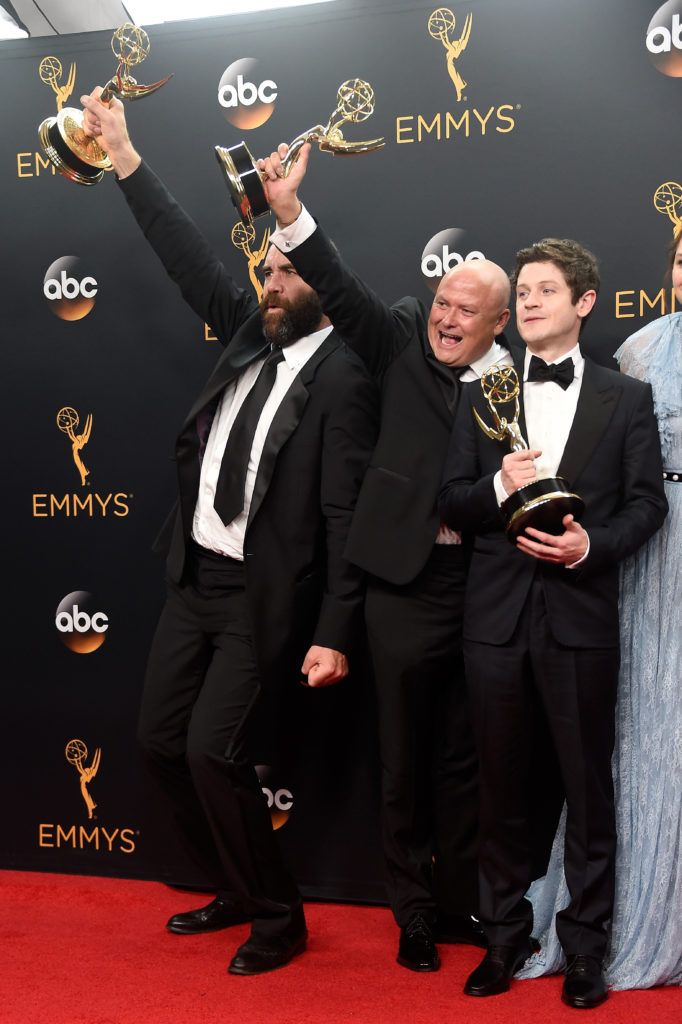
<point>75,155</point>
<point>243,181</point>
<point>541,504</point>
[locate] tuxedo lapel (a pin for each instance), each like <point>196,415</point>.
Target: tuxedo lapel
<point>248,346</point>
<point>596,405</point>
<point>286,420</point>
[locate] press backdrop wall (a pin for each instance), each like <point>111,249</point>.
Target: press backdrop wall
<point>566,124</point>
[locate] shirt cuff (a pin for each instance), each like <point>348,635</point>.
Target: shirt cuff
<point>574,565</point>
<point>296,233</point>
<point>500,492</point>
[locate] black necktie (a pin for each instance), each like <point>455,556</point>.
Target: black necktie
<point>562,373</point>
<point>229,494</point>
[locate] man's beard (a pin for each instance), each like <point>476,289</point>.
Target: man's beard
<point>296,320</point>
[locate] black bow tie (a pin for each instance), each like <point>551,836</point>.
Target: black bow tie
<point>563,373</point>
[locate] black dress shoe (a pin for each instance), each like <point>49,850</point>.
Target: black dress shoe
<point>417,950</point>
<point>497,968</point>
<point>584,985</point>
<point>458,928</point>
<point>218,914</point>
<point>257,956</point>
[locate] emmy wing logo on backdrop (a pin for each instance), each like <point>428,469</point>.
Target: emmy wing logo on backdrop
<point>461,122</point>
<point>50,72</point>
<point>81,627</point>
<point>243,237</point>
<point>280,800</point>
<point>630,302</point>
<point>85,503</point>
<point>442,25</point>
<point>664,39</point>
<point>76,753</point>
<point>246,96</point>
<point>668,200</point>
<point>90,837</point>
<point>68,422</point>
<point>446,250</point>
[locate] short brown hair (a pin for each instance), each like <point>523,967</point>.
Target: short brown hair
<point>578,265</point>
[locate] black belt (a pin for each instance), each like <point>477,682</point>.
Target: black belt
<point>674,475</point>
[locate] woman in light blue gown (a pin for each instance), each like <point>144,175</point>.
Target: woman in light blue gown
<point>646,937</point>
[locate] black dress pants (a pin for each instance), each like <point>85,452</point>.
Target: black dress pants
<point>201,690</point>
<point>578,691</point>
<point>428,760</point>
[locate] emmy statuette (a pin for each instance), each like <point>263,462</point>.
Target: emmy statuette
<point>543,503</point>
<point>78,156</point>
<point>355,103</point>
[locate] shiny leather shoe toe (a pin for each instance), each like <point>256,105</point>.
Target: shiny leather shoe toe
<point>218,914</point>
<point>417,949</point>
<point>497,968</point>
<point>584,985</point>
<point>256,956</point>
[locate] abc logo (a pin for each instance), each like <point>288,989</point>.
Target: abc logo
<point>246,96</point>
<point>664,39</point>
<point>69,292</point>
<point>444,251</point>
<point>280,800</point>
<point>80,625</point>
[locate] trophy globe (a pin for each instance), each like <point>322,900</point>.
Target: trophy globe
<point>67,419</point>
<point>76,752</point>
<point>50,70</point>
<point>668,200</point>
<point>441,23</point>
<point>242,236</point>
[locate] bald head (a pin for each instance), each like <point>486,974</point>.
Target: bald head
<point>490,275</point>
<point>470,309</point>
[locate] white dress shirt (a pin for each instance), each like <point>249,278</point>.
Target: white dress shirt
<point>294,234</point>
<point>208,529</point>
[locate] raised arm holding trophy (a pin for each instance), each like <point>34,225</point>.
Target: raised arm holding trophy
<point>76,154</point>
<point>354,103</point>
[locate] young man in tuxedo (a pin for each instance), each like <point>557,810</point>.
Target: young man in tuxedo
<point>542,615</point>
<point>423,360</point>
<point>270,460</point>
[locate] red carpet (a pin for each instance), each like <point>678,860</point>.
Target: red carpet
<point>79,950</point>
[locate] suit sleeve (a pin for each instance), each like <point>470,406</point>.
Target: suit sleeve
<point>467,499</point>
<point>186,255</point>
<point>374,331</point>
<point>349,436</point>
<point>644,506</point>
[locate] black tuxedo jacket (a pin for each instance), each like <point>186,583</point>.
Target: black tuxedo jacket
<point>300,587</point>
<point>612,459</point>
<point>396,520</point>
